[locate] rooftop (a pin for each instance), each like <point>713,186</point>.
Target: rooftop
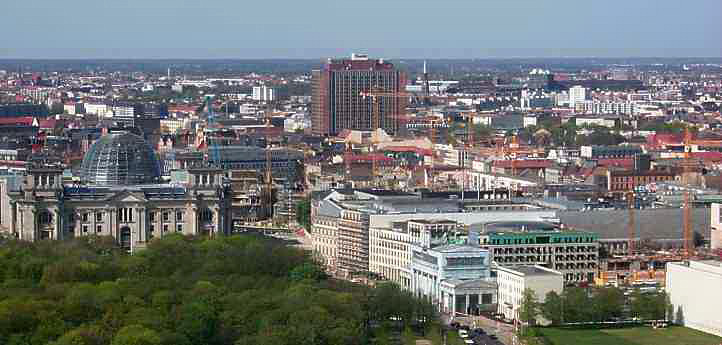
<point>530,270</point>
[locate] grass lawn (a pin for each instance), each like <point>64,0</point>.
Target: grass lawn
<point>630,336</point>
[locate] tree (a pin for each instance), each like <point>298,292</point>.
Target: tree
<point>136,335</point>
<point>529,308</point>
<point>576,305</point>
<point>607,303</point>
<point>303,213</point>
<point>551,309</point>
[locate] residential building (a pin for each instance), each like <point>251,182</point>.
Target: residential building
<point>338,96</point>
<point>620,180</point>
<point>693,288</point>
<point>264,94</point>
<point>576,94</point>
<point>512,282</point>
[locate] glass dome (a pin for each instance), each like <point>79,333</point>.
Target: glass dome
<point>120,158</point>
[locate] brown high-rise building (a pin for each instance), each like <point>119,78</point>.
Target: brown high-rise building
<point>338,101</point>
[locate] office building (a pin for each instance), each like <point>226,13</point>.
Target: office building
<point>373,230</point>
<point>576,94</point>
<point>694,288</point>
<point>512,282</point>
<point>573,253</point>
<point>456,277</point>
<point>338,100</point>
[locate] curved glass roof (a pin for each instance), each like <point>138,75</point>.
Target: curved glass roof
<point>120,158</point>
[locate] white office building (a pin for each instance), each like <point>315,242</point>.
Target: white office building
<point>455,277</point>
<point>264,94</point>
<point>576,94</point>
<point>694,291</point>
<point>513,281</point>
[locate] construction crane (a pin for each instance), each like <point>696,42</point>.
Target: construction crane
<point>687,209</point>
<point>214,154</point>
<point>375,122</point>
<point>269,160</point>
<point>631,225</point>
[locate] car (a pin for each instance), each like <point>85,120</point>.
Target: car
<point>478,331</point>
<point>455,325</point>
<point>464,327</point>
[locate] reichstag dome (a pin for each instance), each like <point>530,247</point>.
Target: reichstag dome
<point>120,158</point>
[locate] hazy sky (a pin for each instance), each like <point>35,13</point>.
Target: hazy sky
<point>384,28</point>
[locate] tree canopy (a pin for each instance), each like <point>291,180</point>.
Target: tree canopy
<point>184,290</point>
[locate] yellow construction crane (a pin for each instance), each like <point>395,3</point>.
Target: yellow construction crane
<point>375,124</point>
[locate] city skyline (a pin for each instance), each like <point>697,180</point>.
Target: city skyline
<point>312,29</point>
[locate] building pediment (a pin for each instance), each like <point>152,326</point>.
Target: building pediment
<point>127,197</point>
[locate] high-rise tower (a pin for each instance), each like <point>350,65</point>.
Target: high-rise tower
<point>338,101</point>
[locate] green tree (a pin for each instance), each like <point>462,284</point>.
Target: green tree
<point>607,303</point>
<point>136,335</point>
<point>551,309</point>
<point>529,307</point>
<point>303,213</point>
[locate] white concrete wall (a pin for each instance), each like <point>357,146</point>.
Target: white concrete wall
<point>716,233</point>
<point>697,290</point>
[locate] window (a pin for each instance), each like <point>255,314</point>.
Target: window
<point>166,216</point>
<point>165,227</point>
<point>51,180</point>
<point>179,216</point>
<point>85,217</point>
<point>151,216</point>
<point>99,216</point>
<point>37,181</point>
<point>99,228</point>
<point>45,218</point>
<point>85,229</point>
<point>151,228</point>
<point>179,227</point>
<point>206,216</point>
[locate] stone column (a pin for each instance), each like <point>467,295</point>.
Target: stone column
<point>142,236</point>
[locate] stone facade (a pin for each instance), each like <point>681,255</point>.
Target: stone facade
<point>43,208</point>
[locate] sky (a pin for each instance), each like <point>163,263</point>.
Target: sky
<point>242,29</point>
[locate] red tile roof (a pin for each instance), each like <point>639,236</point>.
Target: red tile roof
<point>523,163</point>
<point>15,121</point>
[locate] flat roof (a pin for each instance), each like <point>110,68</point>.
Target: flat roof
<point>530,270</point>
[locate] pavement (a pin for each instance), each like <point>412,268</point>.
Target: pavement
<point>504,331</point>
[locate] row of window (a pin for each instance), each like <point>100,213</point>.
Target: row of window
<point>126,215</point>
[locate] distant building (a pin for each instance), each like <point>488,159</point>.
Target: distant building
<point>603,152</point>
<point>513,281</point>
<point>626,180</point>
<point>338,102</point>
<point>264,94</point>
<point>23,109</point>
<point>576,94</point>
<point>693,288</point>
